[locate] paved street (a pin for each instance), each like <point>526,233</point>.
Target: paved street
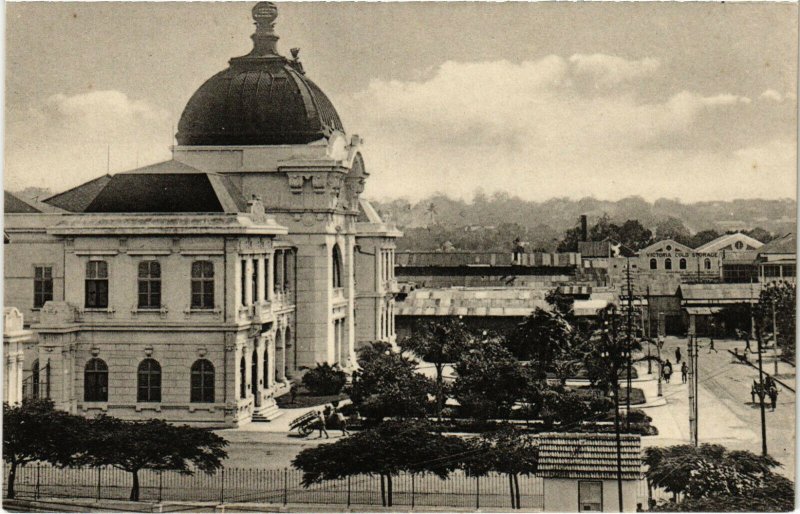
<point>726,415</point>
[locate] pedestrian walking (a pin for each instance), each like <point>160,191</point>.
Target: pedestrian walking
<point>293,391</point>
<point>753,393</point>
<point>667,371</point>
<point>773,396</point>
<point>684,372</point>
<point>678,355</point>
<point>341,419</point>
<point>322,425</point>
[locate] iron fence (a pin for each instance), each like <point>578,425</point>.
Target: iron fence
<point>276,486</point>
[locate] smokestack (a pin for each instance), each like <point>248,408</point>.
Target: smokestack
<point>584,229</point>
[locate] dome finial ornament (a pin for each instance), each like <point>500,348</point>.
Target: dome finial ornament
<point>264,39</point>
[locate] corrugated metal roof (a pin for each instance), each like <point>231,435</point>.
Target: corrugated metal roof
<point>785,244</point>
<point>719,292</point>
<point>729,239</point>
<point>456,259</point>
<point>472,302</point>
<point>594,249</point>
<point>579,455</point>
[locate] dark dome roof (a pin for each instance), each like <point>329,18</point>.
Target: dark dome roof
<point>262,99</point>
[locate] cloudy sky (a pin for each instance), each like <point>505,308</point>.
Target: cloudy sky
<point>680,100</point>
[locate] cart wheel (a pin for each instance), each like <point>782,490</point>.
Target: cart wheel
<point>304,431</point>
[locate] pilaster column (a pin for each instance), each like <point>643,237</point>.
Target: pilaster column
<point>10,380</point>
<point>281,362</point>
<point>260,285</point>
<point>248,282</point>
<point>270,277</point>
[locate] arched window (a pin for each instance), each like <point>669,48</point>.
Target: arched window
<point>35,379</point>
<point>202,285</point>
<point>202,382</point>
<point>149,381</point>
<point>707,263</point>
<point>149,285</point>
<point>95,381</point>
<point>337,267</point>
<point>653,264</point>
<point>682,264</point>
<point>243,378</point>
<point>667,263</point>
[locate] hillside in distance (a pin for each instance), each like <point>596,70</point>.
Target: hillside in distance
<point>544,223</point>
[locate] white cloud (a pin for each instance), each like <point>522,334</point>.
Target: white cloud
<point>526,128</point>
<point>610,70</point>
<point>64,141</point>
<point>771,94</point>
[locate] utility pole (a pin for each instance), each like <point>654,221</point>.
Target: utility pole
<point>775,335</point>
<point>761,395</point>
<point>692,391</point>
<point>613,353</point>
<point>696,392</point>
<point>629,336</point>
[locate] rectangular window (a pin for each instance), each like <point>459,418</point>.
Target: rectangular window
<point>202,285</point>
<point>149,285</point>
<point>590,496</point>
<point>42,286</point>
<point>254,283</point>
<point>96,285</point>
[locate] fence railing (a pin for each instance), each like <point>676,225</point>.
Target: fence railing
<point>277,486</point>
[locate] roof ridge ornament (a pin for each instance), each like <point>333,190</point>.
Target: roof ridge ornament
<point>264,38</point>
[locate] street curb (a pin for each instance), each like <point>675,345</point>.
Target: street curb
<point>781,382</point>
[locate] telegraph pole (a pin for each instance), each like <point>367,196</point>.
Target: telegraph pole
<point>696,391</point>
<point>775,334</point>
<point>613,353</point>
<point>761,395</point>
<point>692,391</point>
<point>629,334</point>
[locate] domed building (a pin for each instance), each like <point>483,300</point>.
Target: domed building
<point>193,289</point>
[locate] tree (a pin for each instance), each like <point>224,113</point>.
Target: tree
<point>386,450</point>
<point>673,228</point>
<point>703,237</point>
<point>507,451</point>
<point>154,444</point>
<point>387,384</point>
<point>775,495</point>
<point>759,234</point>
<point>634,235</point>
<point>781,299</point>
<point>439,343</point>
<point>489,380</point>
<point>35,431</point>
<point>544,337</point>
<point>325,380</point>
<point>709,469</point>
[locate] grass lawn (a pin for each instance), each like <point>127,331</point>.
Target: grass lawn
<point>305,399</point>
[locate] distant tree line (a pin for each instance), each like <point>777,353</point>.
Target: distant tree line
<point>548,220</point>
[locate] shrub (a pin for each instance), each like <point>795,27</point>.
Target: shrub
<point>325,380</point>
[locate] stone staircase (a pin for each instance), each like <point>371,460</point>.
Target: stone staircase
<point>266,413</point>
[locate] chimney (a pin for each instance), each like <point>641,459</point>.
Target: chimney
<point>584,229</point>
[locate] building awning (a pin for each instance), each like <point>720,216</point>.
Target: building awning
<point>702,311</point>
<point>588,307</point>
